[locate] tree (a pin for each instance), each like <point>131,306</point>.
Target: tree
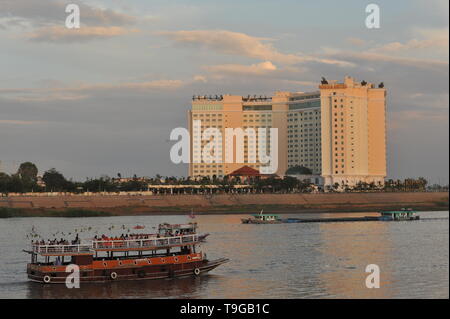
<point>15,184</point>
<point>54,180</point>
<point>298,170</point>
<point>28,171</point>
<point>289,183</point>
<point>4,182</point>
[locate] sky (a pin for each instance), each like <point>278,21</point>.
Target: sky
<point>104,98</point>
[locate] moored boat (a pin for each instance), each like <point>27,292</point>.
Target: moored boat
<point>138,257</point>
<point>399,215</point>
<point>262,219</point>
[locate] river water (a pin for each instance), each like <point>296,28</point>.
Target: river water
<point>313,260</point>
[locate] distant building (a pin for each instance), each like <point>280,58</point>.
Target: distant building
<point>295,115</point>
<point>313,179</point>
<point>40,182</point>
<point>338,132</point>
<point>353,132</point>
<point>245,173</point>
<point>129,179</point>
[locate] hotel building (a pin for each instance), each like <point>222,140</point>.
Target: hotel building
<point>295,115</point>
<point>353,132</point>
<point>307,131</point>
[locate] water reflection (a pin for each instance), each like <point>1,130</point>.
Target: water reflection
<point>346,258</point>
<point>170,288</point>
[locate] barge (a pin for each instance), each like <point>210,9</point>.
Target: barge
<point>400,215</point>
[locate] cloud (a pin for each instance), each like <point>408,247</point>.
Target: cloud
<point>402,119</point>
<point>356,41</point>
<point>44,21</point>
<point>20,122</point>
<point>83,91</point>
<point>434,39</point>
<point>200,78</point>
<point>235,43</point>
<point>255,69</point>
<point>44,12</point>
<point>416,63</point>
<point>63,34</point>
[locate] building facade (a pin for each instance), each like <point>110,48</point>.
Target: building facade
<point>353,132</point>
<point>337,132</point>
<point>296,116</point>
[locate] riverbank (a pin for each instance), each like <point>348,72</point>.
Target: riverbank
<point>18,212</point>
<point>116,205</point>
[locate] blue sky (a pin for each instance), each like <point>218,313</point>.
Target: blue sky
<point>104,99</point>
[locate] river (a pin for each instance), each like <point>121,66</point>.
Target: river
<point>312,260</point>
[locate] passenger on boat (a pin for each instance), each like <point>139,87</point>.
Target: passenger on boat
<point>58,261</point>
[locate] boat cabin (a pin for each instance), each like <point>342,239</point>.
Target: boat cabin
<point>177,229</point>
<point>266,217</point>
<point>405,214</point>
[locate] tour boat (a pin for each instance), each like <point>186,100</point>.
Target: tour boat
<point>157,256</point>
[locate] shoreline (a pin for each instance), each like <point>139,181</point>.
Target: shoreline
<point>96,206</point>
<point>17,213</point>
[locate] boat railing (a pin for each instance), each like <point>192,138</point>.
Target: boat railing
<point>62,249</point>
<point>145,243</point>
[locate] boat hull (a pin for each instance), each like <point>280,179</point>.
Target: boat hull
<point>195,268</point>
<point>256,221</point>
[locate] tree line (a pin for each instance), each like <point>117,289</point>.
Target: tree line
<point>26,180</point>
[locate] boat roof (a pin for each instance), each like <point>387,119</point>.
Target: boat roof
<point>266,215</point>
<point>178,226</point>
<point>393,212</point>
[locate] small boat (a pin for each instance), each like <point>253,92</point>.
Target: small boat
<point>262,219</point>
<point>135,257</point>
<point>138,227</point>
<point>399,215</point>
